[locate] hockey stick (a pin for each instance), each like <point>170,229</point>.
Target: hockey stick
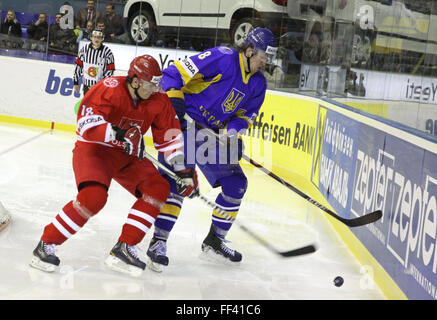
<point>355,222</point>
<point>292,253</point>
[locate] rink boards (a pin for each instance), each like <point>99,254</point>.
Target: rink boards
<point>347,160</point>
<point>358,164</point>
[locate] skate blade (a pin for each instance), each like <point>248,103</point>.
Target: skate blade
<point>116,264</point>
<point>156,267</point>
<point>41,265</point>
<point>210,256</point>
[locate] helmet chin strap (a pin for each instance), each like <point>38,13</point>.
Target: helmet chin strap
<point>135,90</point>
<point>137,94</point>
<point>248,61</point>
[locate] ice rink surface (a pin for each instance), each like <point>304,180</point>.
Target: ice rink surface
<point>36,181</point>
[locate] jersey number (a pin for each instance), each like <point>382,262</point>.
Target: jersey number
<point>87,110</point>
<point>204,55</point>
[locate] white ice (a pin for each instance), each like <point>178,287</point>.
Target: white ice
<point>36,181</point>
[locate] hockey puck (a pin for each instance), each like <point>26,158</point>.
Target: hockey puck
<point>338,281</point>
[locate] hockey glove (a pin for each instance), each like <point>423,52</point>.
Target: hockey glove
<point>132,139</point>
<point>134,142</point>
<point>188,186</point>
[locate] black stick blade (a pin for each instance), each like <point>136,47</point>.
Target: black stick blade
<point>299,252</point>
<point>363,220</point>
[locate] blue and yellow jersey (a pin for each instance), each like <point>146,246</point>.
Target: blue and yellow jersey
<point>217,91</point>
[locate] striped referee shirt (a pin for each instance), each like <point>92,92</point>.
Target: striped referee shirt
<point>93,64</point>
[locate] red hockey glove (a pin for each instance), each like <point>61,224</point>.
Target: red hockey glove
<point>134,142</point>
<point>188,185</point>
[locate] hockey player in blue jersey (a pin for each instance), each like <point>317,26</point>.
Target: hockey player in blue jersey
<point>221,89</point>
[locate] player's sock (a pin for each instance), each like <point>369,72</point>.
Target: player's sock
<point>141,217</point>
<point>89,201</point>
<point>123,257</point>
<point>231,206</point>
<point>67,222</point>
<point>168,216</point>
<point>164,223</point>
<point>64,225</point>
<point>214,246</point>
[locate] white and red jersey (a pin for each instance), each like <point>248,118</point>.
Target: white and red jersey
<point>109,102</point>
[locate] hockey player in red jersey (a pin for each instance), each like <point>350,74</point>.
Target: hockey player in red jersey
<point>111,122</point>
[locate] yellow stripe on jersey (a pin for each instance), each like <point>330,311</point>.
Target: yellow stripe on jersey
<point>171,209</point>
<point>243,71</point>
<point>197,84</point>
<point>233,214</point>
<point>185,76</point>
<point>175,94</point>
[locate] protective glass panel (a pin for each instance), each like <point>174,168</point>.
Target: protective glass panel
<point>378,56</point>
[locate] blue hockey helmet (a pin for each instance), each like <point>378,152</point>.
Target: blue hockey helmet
<point>262,39</point>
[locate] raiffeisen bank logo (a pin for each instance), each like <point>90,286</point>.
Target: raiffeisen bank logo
<point>63,86</point>
<point>409,206</point>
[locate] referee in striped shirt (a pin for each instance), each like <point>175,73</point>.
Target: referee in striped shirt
<point>95,62</point>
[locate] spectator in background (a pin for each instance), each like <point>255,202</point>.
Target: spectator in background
<point>12,28</point>
<point>38,31</point>
<point>10,25</point>
<point>79,35</point>
<point>88,14</point>
<point>113,23</point>
<point>54,28</point>
<point>62,39</point>
<point>101,25</point>
<point>88,31</point>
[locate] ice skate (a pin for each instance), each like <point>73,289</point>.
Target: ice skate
<point>44,257</point>
<point>123,258</point>
<point>215,249</point>
<point>157,254</point>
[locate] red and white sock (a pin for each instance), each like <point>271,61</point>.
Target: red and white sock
<point>64,225</point>
<point>140,219</point>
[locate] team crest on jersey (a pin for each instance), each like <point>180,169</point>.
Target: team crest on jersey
<point>126,122</point>
<point>232,100</point>
<point>110,82</point>
<point>92,72</point>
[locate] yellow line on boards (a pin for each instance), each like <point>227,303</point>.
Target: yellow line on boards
<point>49,125</point>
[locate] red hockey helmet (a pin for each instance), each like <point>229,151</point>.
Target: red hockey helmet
<point>145,68</point>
